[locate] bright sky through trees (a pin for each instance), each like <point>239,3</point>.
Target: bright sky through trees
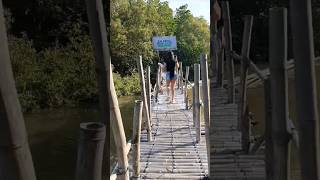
<point>197,7</point>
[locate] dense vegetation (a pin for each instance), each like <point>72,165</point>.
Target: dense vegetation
<point>54,62</point>
<point>53,59</point>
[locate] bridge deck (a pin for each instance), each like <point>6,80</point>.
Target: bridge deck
<point>227,160</point>
<point>173,153</point>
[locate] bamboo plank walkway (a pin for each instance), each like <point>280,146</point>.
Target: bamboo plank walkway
<point>227,160</point>
<point>173,152</point>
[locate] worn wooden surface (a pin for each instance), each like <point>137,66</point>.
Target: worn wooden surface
<point>173,152</point>
<point>227,161</point>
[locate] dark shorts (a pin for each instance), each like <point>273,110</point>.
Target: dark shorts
<point>169,77</point>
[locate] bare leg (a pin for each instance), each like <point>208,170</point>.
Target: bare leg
<point>168,89</point>
<point>173,82</point>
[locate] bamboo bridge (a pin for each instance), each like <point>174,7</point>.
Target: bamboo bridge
<point>206,136</point>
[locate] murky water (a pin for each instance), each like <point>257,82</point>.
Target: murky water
<point>53,136</point>
<point>256,105</point>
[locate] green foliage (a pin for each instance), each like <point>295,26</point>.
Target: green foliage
<point>133,23</point>
<point>60,75</point>
<point>127,85</point>
<point>193,36</point>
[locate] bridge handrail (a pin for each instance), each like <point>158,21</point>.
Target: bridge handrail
<point>114,173</point>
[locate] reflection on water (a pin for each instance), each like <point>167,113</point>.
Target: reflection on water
<point>53,137</point>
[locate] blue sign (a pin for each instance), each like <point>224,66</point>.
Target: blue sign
<point>164,43</point>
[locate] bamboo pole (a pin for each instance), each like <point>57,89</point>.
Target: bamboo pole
<point>197,101</point>
<point>148,88</point>
<point>181,77</point>
<point>118,134</point>
<point>90,151</point>
<point>15,157</point>
<point>268,130</point>
<point>186,100</point>
<point>215,14</point>
<point>158,83</point>
<point>144,99</point>
<point>220,66</point>
<point>206,103</point>
<point>103,61</point>
<point>279,91</point>
<point>306,92</point>
<point>194,105</point>
<point>136,133</point>
<point>229,59</point>
<point>244,122</point>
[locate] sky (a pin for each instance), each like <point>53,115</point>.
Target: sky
<point>197,7</point>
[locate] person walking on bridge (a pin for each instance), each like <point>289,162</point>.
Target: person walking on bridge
<point>171,64</point>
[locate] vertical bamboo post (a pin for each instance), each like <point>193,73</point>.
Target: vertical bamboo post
<point>307,114</point>
<point>144,99</point>
<point>177,70</point>
<point>194,105</point>
<point>148,87</point>
<point>90,151</point>
<point>279,91</point>
<point>243,120</point>
<point>229,59</point>
<point>181,77</point>
<point>206,102</point>
<point>158,83</point>
<point>186,99</point>
<point>137,118</point>
<point>197,100</point>
<point>268,130</point>
<point>215,14</point>
<point>220,68</point>
<point>103,61</point>
<point>15,157</point>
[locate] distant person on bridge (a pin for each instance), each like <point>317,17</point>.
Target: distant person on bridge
<point>170,64</point>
